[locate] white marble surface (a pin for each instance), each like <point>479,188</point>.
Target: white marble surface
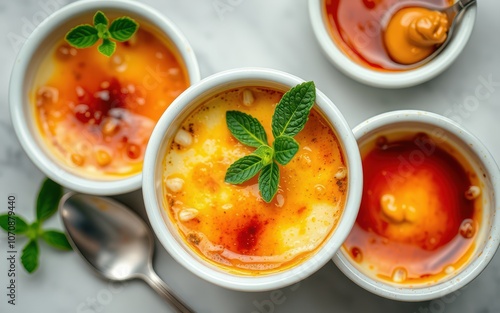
<point>274,34</point>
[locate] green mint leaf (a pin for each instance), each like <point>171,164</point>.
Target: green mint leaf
<point>48,199</point>
<point>292,111</point>
<point>107,47</point>
<point>269,180</point>
<point>285,149</point>
<point>243,169</point>
<point>122,28</point>
<point>102,31</point>
<point>56,239</point>
<point>82,36</point>
<point>266,153</point>
<point>29,256</point>
<point>14,224</point>
<point>33,230</point>
<point>100,18</point>
<point>246,129</point>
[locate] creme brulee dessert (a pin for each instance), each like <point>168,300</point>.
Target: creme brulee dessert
<point>412,34</point>
<point>420,210</point>
<point>231,226</point>
<point>96,113</point>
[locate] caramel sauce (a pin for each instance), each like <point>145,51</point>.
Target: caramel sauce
<point>96,113</point>
<point>414,33</point>
<point>356,27</point>
<point>426,229</point>
<point>229,225</point>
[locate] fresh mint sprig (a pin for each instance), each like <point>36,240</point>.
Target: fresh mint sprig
<point>289,118</point>
<point>46,205</point>
<point>86,35</point>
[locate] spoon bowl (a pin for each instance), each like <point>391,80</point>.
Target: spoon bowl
<point>453,14</point>
<point>113,240</point>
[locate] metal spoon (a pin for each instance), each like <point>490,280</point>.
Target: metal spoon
<point>452,13</point>
<point>113,240</point>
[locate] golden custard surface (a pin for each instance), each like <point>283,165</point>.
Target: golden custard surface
<point>230,225</point>
<point>96,113</point>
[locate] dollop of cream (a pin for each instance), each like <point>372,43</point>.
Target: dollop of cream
<point>414,33</point>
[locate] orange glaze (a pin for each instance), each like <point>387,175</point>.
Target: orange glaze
<point>356,27</point>
<point>230,225</point>
<point>430,231</point>
<point>96,113</point>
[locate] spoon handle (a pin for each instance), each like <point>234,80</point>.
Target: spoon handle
<point>164,290</point>
<point>466,3</point>
<point>459,6</point>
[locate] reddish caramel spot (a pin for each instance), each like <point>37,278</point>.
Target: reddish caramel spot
<point>357,255</point>
<point>369,4</point>
<point>133,151</point>
<point>94,107</point>
<point>248,236</point>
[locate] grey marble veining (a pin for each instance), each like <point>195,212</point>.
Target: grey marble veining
<point>274,34</point>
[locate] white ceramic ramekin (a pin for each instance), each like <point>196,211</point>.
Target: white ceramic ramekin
<point>445,130</point>
<point>29,58</point>
<point>153,192</point>
<point>381,79</point>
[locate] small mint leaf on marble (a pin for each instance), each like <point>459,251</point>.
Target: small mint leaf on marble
<point>29,256</point>
<point>47,204</point>
<point>13,223</point>
<point>56,239</point>
<point>48,199</point>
